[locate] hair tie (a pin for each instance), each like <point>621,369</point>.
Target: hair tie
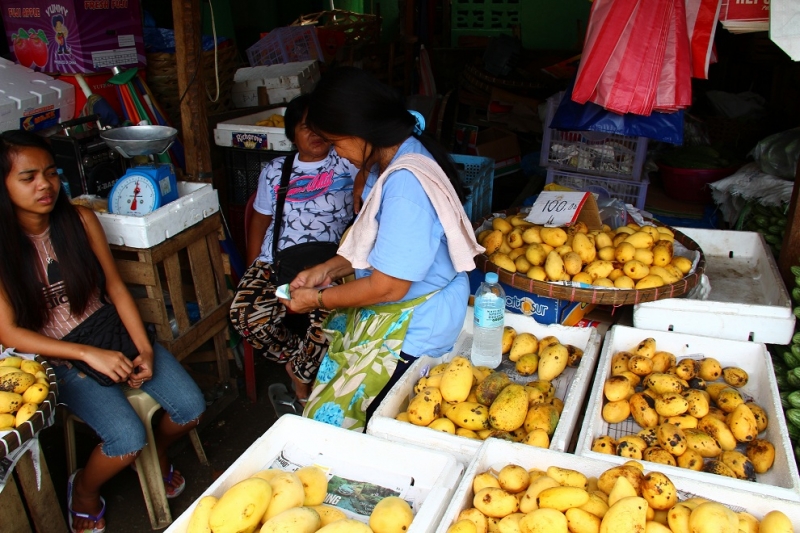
<point>420,126</point>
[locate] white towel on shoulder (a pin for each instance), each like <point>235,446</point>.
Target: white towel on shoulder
<point>461,242</point>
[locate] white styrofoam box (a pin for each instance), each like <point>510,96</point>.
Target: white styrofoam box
<point>31,100</point>
<point>196,201</point>
<point>282,82</point>
<point>781,481</point>
<point>748,300</point>
<point>242,132</point>
<point>435,473</point>
<point>570,386</point>
<point>496,453</point>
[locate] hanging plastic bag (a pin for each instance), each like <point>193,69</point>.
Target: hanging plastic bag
<point>778,154</point>
<point>701,21</point>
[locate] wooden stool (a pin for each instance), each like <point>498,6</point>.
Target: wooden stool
<point>147,465</point>
<point>189,266</point>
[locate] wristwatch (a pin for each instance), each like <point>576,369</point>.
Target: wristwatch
<point>319,299</point>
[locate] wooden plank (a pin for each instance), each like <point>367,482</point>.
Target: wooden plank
<point>43,504</point>
<point>12,511</point>
<point>172,270</point>
<point>201,331</point>
<point>790,249</point>
<point>218,264</point>
<point>221,348</point>
<point>153,311</point>
<point>138,273</point>
<point>194,123</point>
<point>203,276</point>
<point>206,356</point>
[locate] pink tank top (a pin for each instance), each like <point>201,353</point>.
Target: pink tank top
<point>60,321</point>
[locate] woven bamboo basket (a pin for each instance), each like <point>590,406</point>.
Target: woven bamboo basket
<point>357,28</point>
<point>162,77</point>
<point>596,295</point>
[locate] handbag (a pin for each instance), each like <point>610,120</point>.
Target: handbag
<point>289,262</point>
<point>103,329</point>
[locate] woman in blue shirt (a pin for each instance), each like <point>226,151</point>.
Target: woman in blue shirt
<point>368,124</point>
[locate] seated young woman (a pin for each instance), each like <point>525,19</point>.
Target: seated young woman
<point>59,280</point>
<point>318,207</point>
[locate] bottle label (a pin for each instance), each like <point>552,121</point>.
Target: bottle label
<point>488,318</point>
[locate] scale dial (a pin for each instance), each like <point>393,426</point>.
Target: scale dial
<point>134,194</point>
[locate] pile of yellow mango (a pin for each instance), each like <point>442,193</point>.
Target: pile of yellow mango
<point>621,499</point>
<point>277,501</point>
<point>23,386</point>
<point>691,412</point>
<point>477,402</point>
<point>628,257</point>
<point>272,121</point>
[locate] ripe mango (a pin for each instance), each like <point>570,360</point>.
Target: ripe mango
<point>456,380</point>
<point>508,411</point>
<point>488,389</point>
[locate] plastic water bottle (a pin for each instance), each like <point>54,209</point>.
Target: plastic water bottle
<point>487,335</point>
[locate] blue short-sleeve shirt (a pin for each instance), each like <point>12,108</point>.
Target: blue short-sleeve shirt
<point>411,245</point>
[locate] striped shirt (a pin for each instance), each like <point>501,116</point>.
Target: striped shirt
<point>60,320</point>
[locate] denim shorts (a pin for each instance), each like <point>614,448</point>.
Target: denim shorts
<point>108,413</point>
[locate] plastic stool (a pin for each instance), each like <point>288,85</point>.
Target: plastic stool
<point>147,465</point>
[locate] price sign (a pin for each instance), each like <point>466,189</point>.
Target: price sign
<point>555,208</point>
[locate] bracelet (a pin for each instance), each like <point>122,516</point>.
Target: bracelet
<point>319,299</point>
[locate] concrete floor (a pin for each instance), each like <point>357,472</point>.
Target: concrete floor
<point>224,440</point>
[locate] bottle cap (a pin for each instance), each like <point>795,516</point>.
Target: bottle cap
<point>491,277</point>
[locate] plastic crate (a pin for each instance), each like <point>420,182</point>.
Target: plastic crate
<point>432,474</point>
<point>483,19</point>
<point>242,168</point>
<point>286,45</point>
<point>591,152</point>
<point>630,192</point>
<point>780,481</point>
<point>477,173</point>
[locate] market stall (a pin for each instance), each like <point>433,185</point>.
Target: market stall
<point>647,376</point>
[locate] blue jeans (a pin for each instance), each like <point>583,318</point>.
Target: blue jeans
<point>108,413</point>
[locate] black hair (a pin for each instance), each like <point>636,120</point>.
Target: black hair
<point>81,271</point>
<point>55,19</point>
<point>349,101</point>
<point>294,114</point>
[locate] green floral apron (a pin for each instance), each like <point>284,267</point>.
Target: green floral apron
<point>365,344</point>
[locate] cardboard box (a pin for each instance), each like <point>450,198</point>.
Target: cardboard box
<point>73,35</point>
<point>543,309</point>
<point>435,474</point>
<point>780,481</point>
<point>571,387</point>
<point>494,454</point>
<point>32,101</point>
<point>502,146</point>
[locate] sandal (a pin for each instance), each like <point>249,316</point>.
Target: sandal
<point>283,402</point>
<point>75,514</point>
<point>173,492</point>
<point>168,489</point>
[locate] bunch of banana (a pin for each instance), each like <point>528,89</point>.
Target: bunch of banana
<point>23,386</point>
<point>273,121</point>
<point>628,257</point>
<point>768,221</point>
<point>478,403</point>
<point>786,365</point>
<point>623,498</point>
<point>691,413</point>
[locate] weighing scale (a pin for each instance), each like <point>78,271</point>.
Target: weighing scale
<point>143,188</point>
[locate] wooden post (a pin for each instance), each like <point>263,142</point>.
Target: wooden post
<point>790,249</point>
<point>194,124</point>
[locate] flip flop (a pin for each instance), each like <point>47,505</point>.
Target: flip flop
<point>283,402</point>
<point>74,514</point>
<point>168,484</point>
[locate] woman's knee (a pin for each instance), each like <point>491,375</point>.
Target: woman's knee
<point>125,439</point>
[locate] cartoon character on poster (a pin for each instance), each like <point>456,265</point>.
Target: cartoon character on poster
<point>61,32</point>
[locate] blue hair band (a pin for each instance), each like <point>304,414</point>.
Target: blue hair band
<point>420,127</point>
